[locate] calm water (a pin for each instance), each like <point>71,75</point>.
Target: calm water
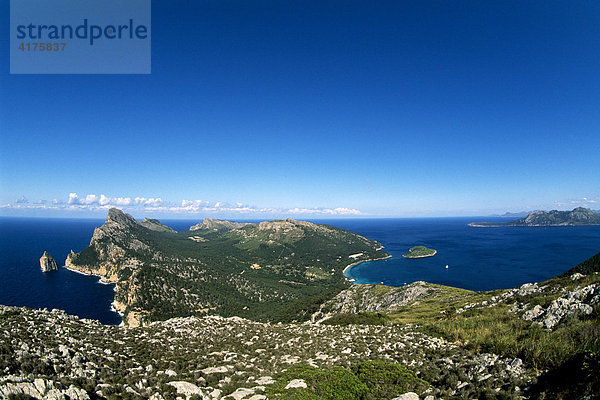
<point>22,283</point>
<point>478,258</point>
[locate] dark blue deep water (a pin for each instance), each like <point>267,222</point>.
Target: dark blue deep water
<point>22,283</point>
<point>478,258</point>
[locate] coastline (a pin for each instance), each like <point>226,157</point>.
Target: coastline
<point>362,261</point>
<point>103,281</point>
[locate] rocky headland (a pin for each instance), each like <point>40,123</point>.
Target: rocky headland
<point>577,217</point>
<point>273,270</point>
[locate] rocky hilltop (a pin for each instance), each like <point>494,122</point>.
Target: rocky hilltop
<point>420,341</point>
<point>47,263</point>
<point>579,216</point>
<point>156,225</point>
<point>276,270</point>
<point>217,224</point>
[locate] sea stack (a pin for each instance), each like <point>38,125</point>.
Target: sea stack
<point>47,263</point>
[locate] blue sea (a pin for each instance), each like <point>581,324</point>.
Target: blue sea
<point>477,258</point>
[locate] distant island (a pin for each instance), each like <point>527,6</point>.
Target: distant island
<point>580,216</point>
<point>420,252</point>
<point>509,214</point>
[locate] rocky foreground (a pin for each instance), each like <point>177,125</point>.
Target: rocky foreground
<point>52,355</point>
<point>359,345</point>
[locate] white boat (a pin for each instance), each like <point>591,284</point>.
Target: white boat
<point>446,266</point>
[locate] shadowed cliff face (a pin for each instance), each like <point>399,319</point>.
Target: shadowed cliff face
<point>47,263</point>
<point>272,270</point>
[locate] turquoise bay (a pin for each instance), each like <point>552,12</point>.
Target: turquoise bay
<point>477,258</point>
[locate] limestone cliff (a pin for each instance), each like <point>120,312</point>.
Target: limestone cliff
<point>111,251</point>
<point>47,263</point>
<point>374,298</point>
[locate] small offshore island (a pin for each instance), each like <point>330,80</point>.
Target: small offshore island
<point>419,252</point>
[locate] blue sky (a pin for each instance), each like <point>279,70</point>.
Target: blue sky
<point>318,108</point>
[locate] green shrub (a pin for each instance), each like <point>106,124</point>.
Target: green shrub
<point>362,318</point>
<point>369,380</point>
<point>335,383</point>
<point>386,380</point>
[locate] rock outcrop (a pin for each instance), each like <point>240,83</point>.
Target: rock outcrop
<point>579,301</point>
<point>47,263</point>
<point>41,389</point>
<point>374,298</point>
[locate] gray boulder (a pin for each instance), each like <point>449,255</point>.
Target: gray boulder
<point>407,396</point>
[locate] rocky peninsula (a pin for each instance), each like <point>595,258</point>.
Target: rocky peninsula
<point>273,271</point>
<point>577,217</point>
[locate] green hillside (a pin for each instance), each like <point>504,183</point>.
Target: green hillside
<point>277,270</point>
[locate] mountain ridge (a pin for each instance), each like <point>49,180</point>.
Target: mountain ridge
<point>579,216</point>
<point>221,267</point>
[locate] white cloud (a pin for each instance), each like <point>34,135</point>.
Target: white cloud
<point>104,200</point>
<point>73,198</point>
<point>581,202</point>
<point>121,201</point>
<point>94,202</point>
<point>91,199</point>
<point>153,202</point>
<point>346,211</point>
<point>324,211</point>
